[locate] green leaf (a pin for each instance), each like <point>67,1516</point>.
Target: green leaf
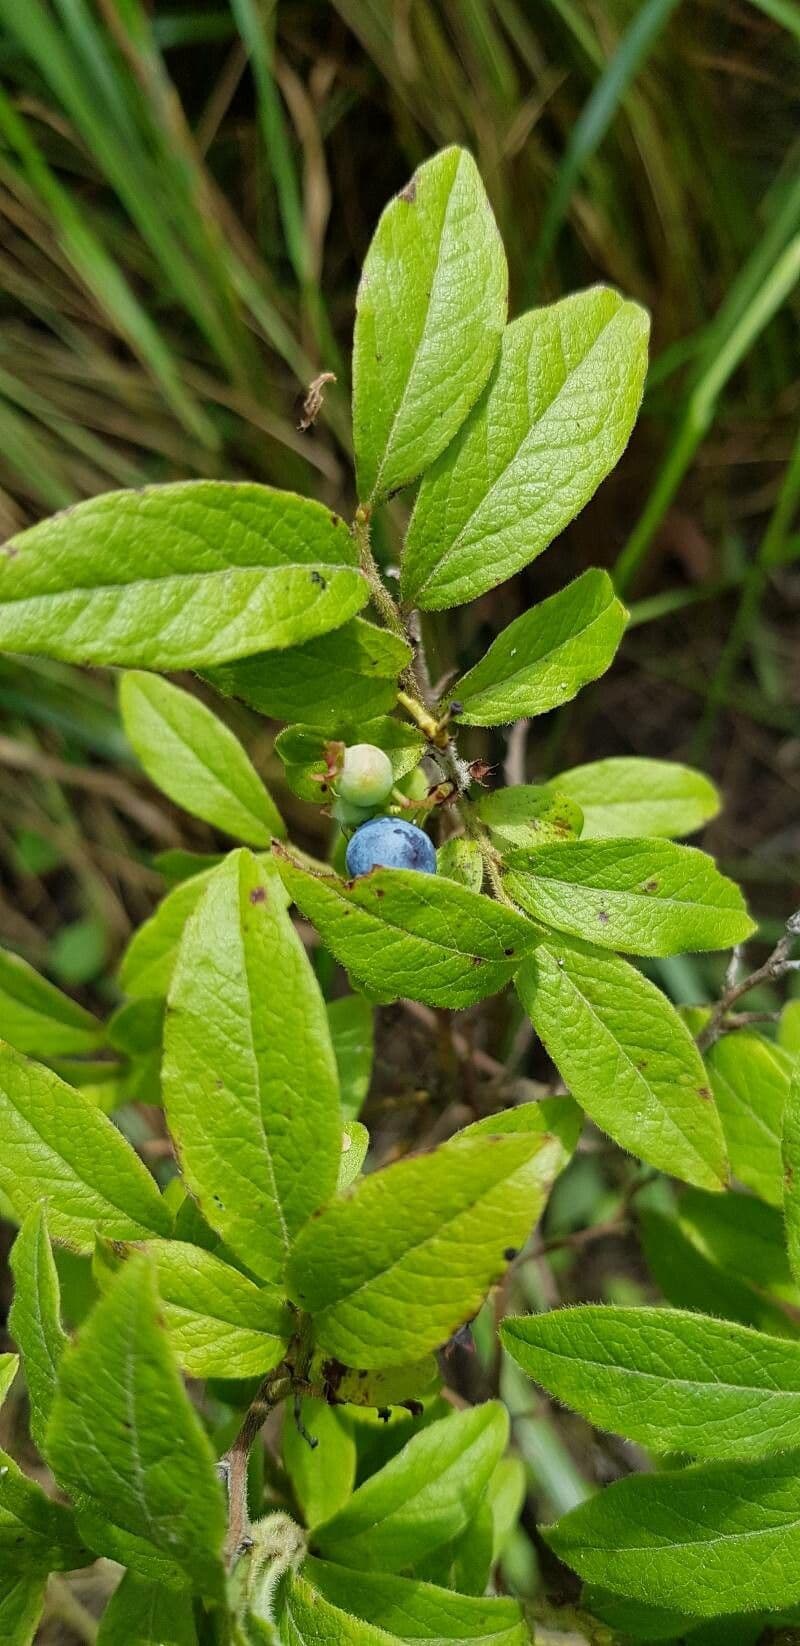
<point>635,1619</point>
<point>557,1118</point>
<point>355,1146</point>
<point>689,1279</point>
<point>145,1614</point>
<point>176,864</point>
<point>713,1538</point>
<point>138,1554</point>
<point>349,674</point>
<point>307,1619</point>
<point>124,1435</point>
<point>59,1147</point>
<point>137,1027</point>
<point>249,1076</point>
<point>648,897</point>
<point>743,1235</point>
<point>460,859</point>
<point>178,577</point>
<point>196,760</point>
<point>35,1532</point>
<point>789,1028</point>
<point>627,1058</point>
<point>392,1268</point>
<point>528,817</point>
<point>412,934</point>
<point>671,1380</point>
<point>350,1021</point>
<point>412,1611</point>
<point>544,658</point>
<point>430,312</point>
<point>219,1323</point>
<point>9,1366</point>
<point>790,1154</point>
<point>466,1562</point>
<point>149,960</point>
<point>506,1497</point>
<point>362,1387</point>
<point>323,1478</point>
<point>628,797</point>
<point>554,419</point>
<point>302,750</point>
<point>37,1018</point>
<point>21,1606</point>
<point>750,1077</point>
<point>35,1318</point>
<point>422,1498</point>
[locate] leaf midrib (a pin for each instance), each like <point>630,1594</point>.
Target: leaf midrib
<point>545,660</point>
<point>447,554</point>
<point>691,1387</point>
<point>415,1490</point>
<point>422,334</point>
<point>433,942</point>
<point>708,1165</point>
<point>325,568</point>
<point>623,896</point>
<point>237,753</point>
<point>101,1194</point>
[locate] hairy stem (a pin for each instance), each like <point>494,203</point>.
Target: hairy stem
<point>233,1466</point>
<point>416,700</point>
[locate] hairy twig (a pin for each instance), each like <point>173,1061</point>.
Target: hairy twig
<point>233,1466</point>
<point>775,967</point>
<point>416,701</point>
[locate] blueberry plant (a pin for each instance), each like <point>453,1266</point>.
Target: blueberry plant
<point>277,1268</point>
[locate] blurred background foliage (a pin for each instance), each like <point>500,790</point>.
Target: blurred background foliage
<point>187,193</point>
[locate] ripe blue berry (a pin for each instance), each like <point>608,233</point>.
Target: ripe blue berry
<point>390,843</point>
<point>366,777</point>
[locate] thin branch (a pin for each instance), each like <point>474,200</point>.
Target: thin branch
<point>776,966</point>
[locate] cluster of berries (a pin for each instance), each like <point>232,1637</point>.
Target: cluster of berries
<point>365,781</point>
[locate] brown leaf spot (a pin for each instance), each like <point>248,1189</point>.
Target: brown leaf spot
<point>704,1092</point>
<point>508,952</point>
<point>409,193</point>
<point>650,886</point>
<point>603,916</point>
<point>258,894</point>
<point>332,1373</point>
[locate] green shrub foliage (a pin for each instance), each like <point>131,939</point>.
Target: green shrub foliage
<point>272,1265</point>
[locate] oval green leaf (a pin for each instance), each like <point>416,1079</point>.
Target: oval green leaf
<point>544,658</point>
<point>178,577</point>
<point>430,312</point>
<point>647,897</point>
<point>196,760</point>
<point>626,1057</point>
<point>554,419</point>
